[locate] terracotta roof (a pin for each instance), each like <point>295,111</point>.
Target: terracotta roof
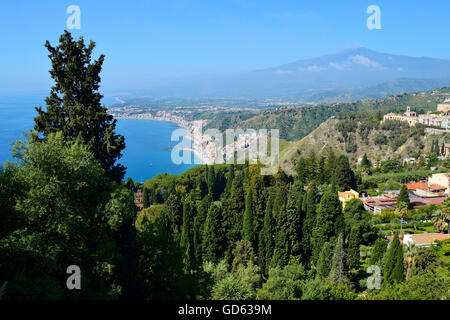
<point>428,238</point>
<point>415,185</point>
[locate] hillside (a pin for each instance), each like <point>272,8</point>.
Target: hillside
<point>400,140</point>
<point>296,122</point>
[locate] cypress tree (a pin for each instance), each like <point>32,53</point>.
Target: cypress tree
<point>343,176</point>
<point>187,235</point>
<point>293,222</point>
<point>235,207</point>
<point>353,248</point>
<point>397,273</point>
<point>214,238</point>
<point>328,214</point>
<point>324,262</point>
<point>259,203</point>
<point>308,223</point>
<point>199,227</point>
<point>378,252</point>
<point>265,243</point>
<point>404,196</point>
<point>391,259</point>
<point>338,263</point>
<point>145,198</point>
<point>247,225</point>
<point>74,104</point>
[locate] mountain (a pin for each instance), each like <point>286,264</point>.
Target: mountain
<point>344,76</point>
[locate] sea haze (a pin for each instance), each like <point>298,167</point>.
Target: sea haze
<point>148,143</point>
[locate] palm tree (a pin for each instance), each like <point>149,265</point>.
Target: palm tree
<point>401,211</point>
<point>410,250</point>
<point>440,220</point>
<point>446,211</point>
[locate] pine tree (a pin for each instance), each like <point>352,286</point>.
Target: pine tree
<point>214,238</point>
<point>324,262</point>
<point>247,226</point>
<point>338,263</point>
<point>353,248</point>
<point>74,104</point>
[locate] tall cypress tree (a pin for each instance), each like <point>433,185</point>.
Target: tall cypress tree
<point>247,225</point>
<point>397,273</point>
<point>199,227</point>
<point>378,252</point>
<point>328,213</point>
<point>214,237</point>
<point>344,177</point>
<point>338,263</point>
<point>74,104</point>
<point>308,223</point>
<point>234,208</point>
<point>324,262</point>
<point>293,222</point>
<point>391,259</point>
<point>187,234</point>
<point>145,198</point>
<point>353,248</point>
<point>265,243</point>
<point>404,196</point>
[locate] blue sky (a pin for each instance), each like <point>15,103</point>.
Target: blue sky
<point>148,41</point>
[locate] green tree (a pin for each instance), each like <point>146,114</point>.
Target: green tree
<point>328,214</point>
<point>404,196</point>
<point>213,245</point>
<point>343,175</point>
<point>379,251</point>
<point>324,262</point>
<point>353,248</point>
<point>265,243</point>
<point>308,223</point>
<point>338,263</point>
<point>74,104</point>
<point>248,226</point>
<point>187,234</point>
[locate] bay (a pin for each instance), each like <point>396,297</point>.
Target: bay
<point>148,143</point>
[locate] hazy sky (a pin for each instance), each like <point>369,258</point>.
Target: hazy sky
<point>147,41</point>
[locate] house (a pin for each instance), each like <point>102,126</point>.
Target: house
<point>440,182</point>
<point>139,199</point>
<point>424,239</point>
<point>346,196</point>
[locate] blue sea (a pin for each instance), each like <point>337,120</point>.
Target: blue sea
<point>148,143</point>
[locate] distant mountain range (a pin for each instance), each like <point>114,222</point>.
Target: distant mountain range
<point>351,74</point>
